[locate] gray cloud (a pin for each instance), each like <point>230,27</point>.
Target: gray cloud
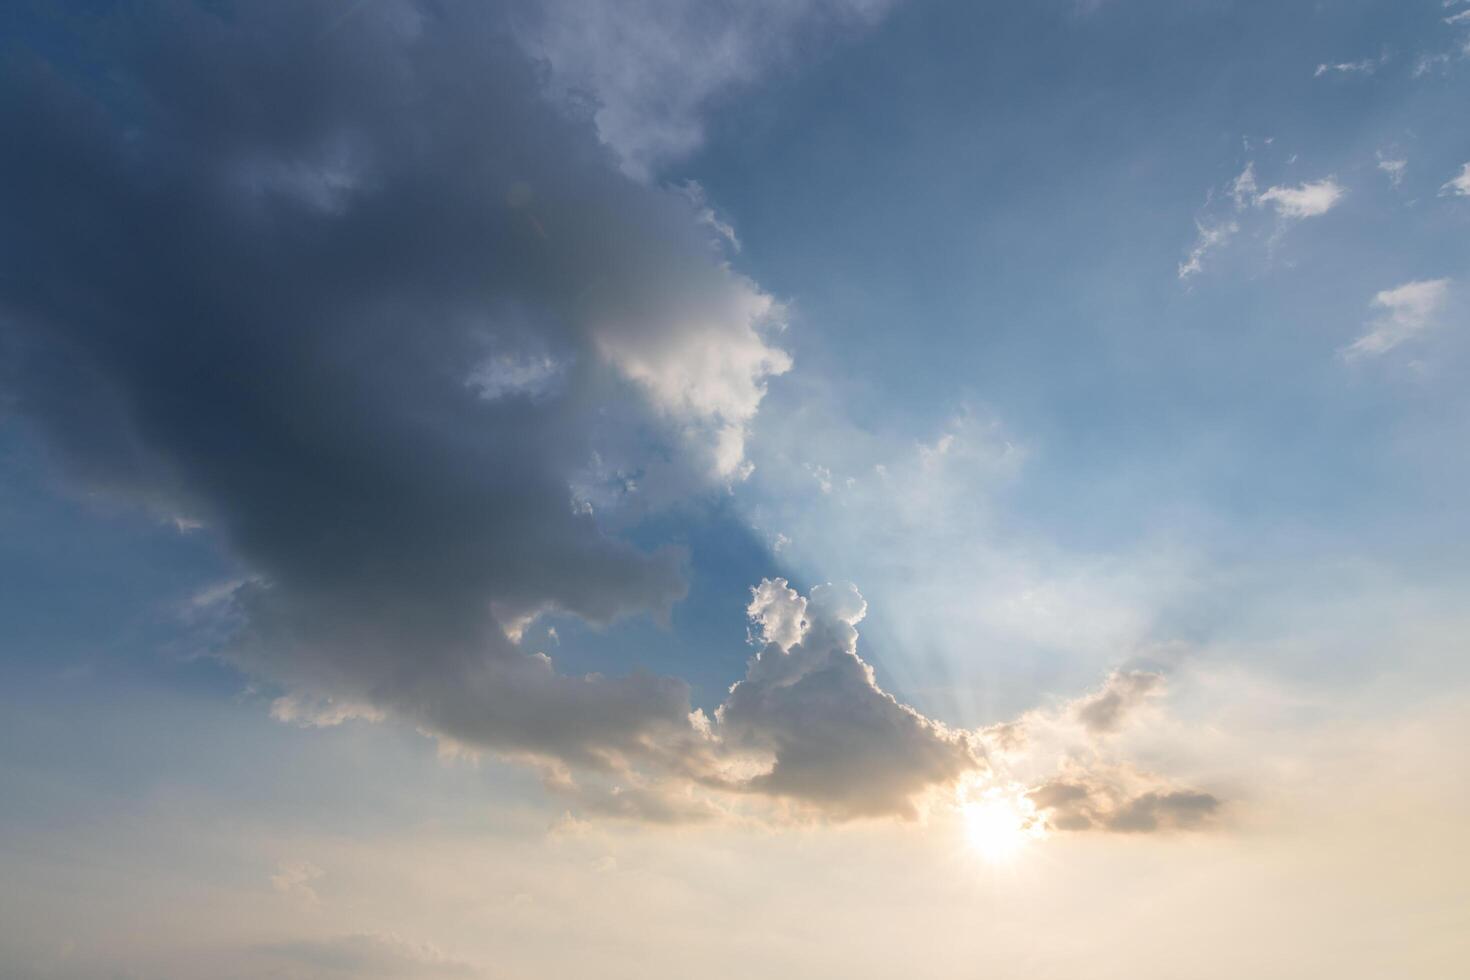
<point>255,266</point>
<point>808,725</point>
<point>1111,801</point>
<point>343,291</point>
<point>1124,691</point>
<point>1077,782</point>
<point>1174,810</point>
<point>812,706</point>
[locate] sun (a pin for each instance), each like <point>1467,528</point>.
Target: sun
<point>999,825</point>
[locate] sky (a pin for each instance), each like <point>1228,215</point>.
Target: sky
<point>813,488</point>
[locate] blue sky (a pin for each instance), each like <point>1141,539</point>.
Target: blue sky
<point>590,467</point>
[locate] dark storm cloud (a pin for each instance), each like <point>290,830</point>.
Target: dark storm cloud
<point>342,288</point>
<point>272,268</point>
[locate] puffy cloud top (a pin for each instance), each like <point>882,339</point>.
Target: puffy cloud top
<point>813,707</point>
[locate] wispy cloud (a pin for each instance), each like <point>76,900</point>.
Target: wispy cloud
<point>1394,167</point>
<point>1408,310</point>
<point>1209,237</point>
<point>1290,203</point>
<point>1458,186</point>
<point>1365,67</point>
<point>1243,190</point>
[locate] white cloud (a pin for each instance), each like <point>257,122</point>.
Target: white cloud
<point>811,716</point>
<point>779,611</point>
<point>1309,200</point>
<point>702,357</point>
<point>1408,311</point>
<point>1458,186</point>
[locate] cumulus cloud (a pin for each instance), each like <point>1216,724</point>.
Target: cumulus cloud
<point>778,612</point>
<point>1408,310</point>
<point>811,708</point>
<point>1309,200</point>
<point>351,295</point>
<point>808,727</point>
